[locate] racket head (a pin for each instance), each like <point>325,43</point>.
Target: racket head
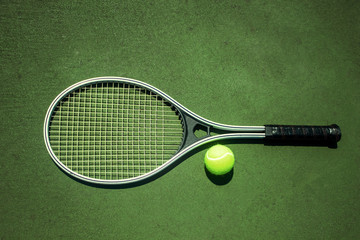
<point>113,130</point>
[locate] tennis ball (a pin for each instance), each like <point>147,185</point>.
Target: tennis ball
<point>219,160</point>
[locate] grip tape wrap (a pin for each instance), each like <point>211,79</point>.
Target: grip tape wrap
<point>293,134</point>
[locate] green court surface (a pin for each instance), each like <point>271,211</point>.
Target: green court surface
<point>245,62</point>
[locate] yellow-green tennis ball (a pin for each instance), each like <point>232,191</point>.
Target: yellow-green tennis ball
<point>219,160</point>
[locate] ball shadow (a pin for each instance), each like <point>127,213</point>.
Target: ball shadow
<point>219,180</point>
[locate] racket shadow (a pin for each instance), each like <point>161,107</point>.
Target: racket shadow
<point>218,180</point>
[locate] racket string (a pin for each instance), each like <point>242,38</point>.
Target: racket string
<point>114,131</point>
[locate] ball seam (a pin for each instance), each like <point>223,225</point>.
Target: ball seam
<point>210,158</point>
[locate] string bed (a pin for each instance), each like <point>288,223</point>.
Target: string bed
<point>114,131</point>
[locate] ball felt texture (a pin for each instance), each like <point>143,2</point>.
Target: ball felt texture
<point>219,160</point>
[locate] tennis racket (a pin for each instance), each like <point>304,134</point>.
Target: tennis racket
<point>112,130</point>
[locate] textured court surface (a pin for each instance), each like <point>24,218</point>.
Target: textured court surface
<point>236,62</point>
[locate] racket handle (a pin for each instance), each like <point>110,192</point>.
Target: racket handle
<point>302,135</point>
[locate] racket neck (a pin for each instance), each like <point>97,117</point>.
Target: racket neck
<point>215,131</point>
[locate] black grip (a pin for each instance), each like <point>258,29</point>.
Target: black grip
<point>302,135</point>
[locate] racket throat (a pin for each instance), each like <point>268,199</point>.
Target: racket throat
<point>199,132</point>
<point>194,131</point>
